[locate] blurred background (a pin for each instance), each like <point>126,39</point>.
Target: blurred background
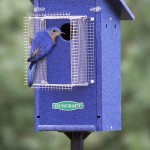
<point>16,100</point>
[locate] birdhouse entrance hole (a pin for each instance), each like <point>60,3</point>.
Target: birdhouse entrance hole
<point>66,29</point>
<point>76,50</point>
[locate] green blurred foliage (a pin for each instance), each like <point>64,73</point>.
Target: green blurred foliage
<point>16,100</point>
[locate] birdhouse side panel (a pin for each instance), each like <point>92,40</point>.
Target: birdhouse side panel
<point>111,76</point>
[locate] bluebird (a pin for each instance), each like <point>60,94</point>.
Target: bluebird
<point>41,46</point>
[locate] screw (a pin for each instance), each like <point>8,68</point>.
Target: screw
<point>111,127</point>
<point>92,19</point>
<point>110,18</point>
<point>92,81</point>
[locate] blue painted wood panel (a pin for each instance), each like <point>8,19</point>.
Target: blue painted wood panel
<point>59,61</point>
<point>111,77</point>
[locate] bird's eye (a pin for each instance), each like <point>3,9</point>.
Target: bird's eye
<point>54,30</point>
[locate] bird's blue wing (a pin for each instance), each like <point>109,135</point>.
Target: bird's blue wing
<point>36,54</point>
<point>36,42</point>
<point>41,46</point>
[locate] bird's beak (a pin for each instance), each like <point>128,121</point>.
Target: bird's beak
<point>62,33</point>
<point>59,33</point>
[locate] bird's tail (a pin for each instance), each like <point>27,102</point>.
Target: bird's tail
<point>31,73</point>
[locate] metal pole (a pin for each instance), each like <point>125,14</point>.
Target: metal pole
<point>77,139</point>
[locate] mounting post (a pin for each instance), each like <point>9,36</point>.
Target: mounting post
<point>77,139</point>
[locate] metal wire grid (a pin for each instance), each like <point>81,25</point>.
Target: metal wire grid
<point>78,46</point>
<point>28,30</point>
<point>41,70</point>
<point>31,26</point>
<point>82,51</point>
<point>63,15</point>
<point>54,87</point>
<point>90,50</point>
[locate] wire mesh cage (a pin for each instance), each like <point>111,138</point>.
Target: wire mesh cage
<point>81,50</point>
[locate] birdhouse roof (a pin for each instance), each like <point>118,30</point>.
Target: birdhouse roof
<point>122,9</point>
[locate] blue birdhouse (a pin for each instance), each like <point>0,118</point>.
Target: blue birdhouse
<point>77,85</point>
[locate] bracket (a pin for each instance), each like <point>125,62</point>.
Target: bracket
<point>77,139</point>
